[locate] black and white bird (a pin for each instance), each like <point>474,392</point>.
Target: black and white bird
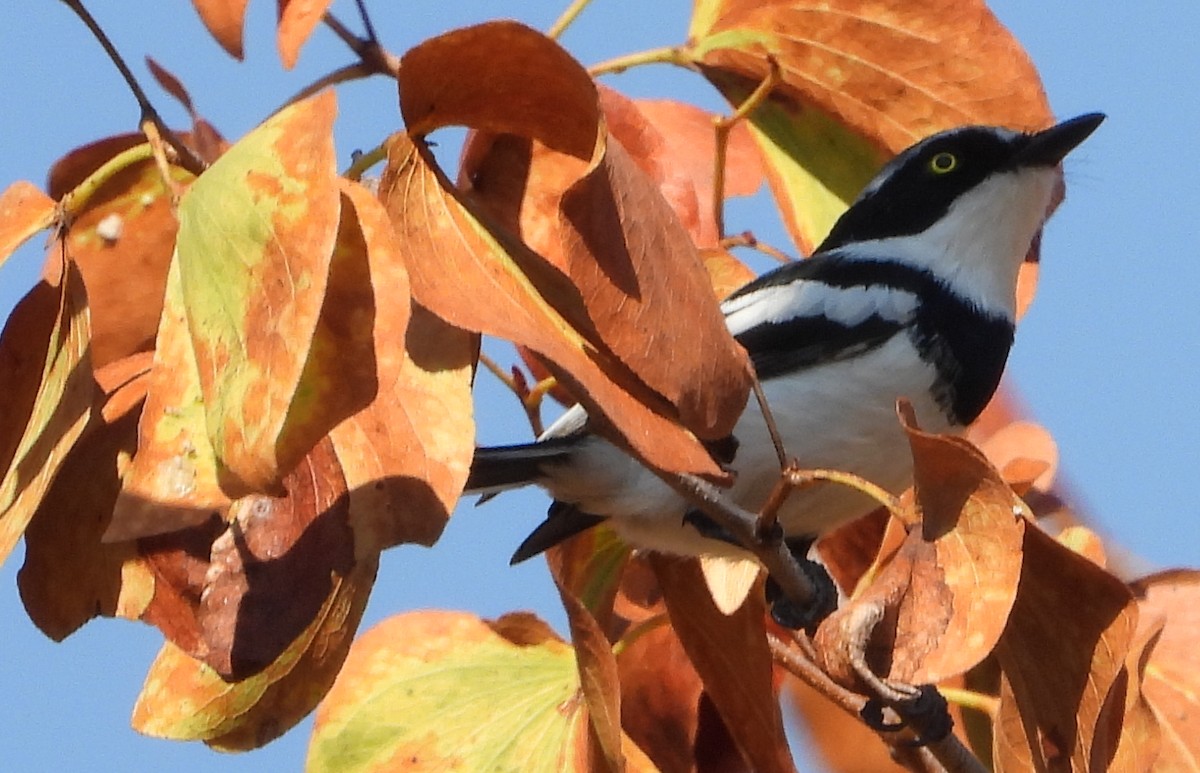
<point>912,295</point>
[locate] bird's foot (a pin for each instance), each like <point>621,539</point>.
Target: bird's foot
<point>787,612</point>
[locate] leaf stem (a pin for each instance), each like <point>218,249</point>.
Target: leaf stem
<point>638,631</point>
<point>970,699</point>
<point>665,55</point>
<point>77,198</point>
<point>569,14</point>
<point>723,125</point>
<point>748,239</point>
<point>364,161</point>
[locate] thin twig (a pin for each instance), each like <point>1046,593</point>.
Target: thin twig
<point>748,239</point>
<point>564,20</point>
<point>185,157</point>
<point>666,55</point>
<point>366,21</point>
<point>368,49</point>
<point>772,428</point>
<point>723,125</point>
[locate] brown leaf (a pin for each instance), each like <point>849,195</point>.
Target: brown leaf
<point>69,576</point>
<point>225,20</point>
<point>1065,645</point>
<point>406,456</point>
<point>730,653</point>
<point>46,380</point>
<point>660,699</point>
<point>946,595</point>
<point>1170,683</point>
<point>265,575</point>
<point>124,384</point>
<point>628,275</point>
<point>121,240</point>
<point>24,210</point>
<point>591,566</point>
<point>675,144</point>
<point>184,699</point>
<point>514,297</point>
<point>1140,732</point>
<point>891,73</point>
<point>205,140</point>
<point>297,20</point>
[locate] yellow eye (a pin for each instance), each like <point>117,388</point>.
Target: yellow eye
<point>943,162</point>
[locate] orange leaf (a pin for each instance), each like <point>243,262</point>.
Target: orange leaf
<point>24,210</point>
<point>730,653</point>
<point>598,679</point>
<point>503,289</point>
<point>225,20</point>
<point>406,456</point>
<point>948,591</point>
<point>675,144</point>
<point>1171,683</point>
<point>890,73</point>
<point>122,241</point>
<point>297,20</point>
<point>629,273</point>
<point>1065,645</point>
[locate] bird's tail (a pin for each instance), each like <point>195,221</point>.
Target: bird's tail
<point>499,468</point>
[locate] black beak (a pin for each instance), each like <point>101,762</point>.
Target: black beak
<point>1050,146</point>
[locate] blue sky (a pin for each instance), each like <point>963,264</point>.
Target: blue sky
<point>1107,358</point>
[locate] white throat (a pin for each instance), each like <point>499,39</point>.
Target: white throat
<point>978,246</point>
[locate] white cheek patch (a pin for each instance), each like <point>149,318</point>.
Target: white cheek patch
<point>847,306</point>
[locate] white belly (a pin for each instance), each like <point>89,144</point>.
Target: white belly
<point>839,416</point>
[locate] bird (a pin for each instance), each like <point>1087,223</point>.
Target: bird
<point>911,295</point>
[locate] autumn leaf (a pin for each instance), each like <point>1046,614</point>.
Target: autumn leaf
<point>297,20</point>
<point>256,237</point>
<point>46,378</point>
<point>121,239</point>
<point>69,575</point>
<point>859,84</point>
<point>599,277</point>
<point>948,590</point>
<point>1170,680</point>
<point>428,690</point>
<point>225,20</point>
<point>675,144</point>
<point>731,655</point>
<point>171,483</point>
<point>184,699</point>
<point>24,210</point>
<point>1064,647</point>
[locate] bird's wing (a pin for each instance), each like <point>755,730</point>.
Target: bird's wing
<point>817,310</point>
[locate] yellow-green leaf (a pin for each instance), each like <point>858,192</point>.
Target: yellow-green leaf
<point>46,380</point>
<point>256,236</point>
<point>445,691</point>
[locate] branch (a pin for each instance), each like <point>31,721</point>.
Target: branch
<point>369,51</point>
<point>185,157</point>
<point>666,55</point>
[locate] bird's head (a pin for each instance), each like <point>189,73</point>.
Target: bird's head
<point>964,205</point>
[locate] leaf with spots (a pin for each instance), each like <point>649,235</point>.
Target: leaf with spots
<point>256,236</point>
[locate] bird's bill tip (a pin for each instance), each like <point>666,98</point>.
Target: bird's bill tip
<point>1050,146</point>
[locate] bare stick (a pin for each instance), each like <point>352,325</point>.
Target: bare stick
<point>748,239</point>
<point>666,55</point>
<point>185,157</point>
